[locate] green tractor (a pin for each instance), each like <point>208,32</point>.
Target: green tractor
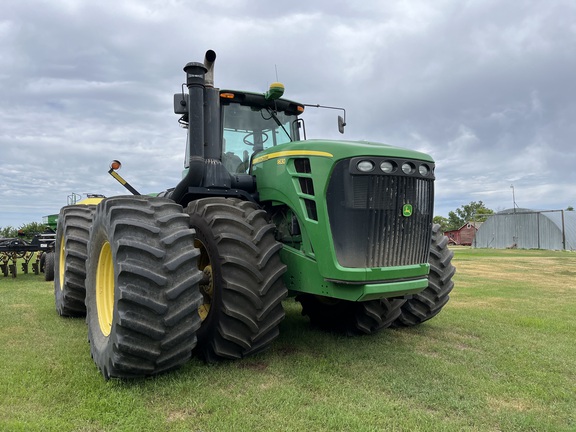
<point>260,214</point>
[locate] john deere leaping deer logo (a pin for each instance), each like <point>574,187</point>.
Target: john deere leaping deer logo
<point>407,210</point>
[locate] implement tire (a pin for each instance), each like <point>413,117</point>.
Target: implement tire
<point>69,264</point>
<point>428,303</point>
<point>142,293</point>
<point>242,286</point>
<point>48,267</point>
<point>351,318</point>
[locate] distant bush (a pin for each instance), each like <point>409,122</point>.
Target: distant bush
<point>8,232</point>
<point>25,231</point>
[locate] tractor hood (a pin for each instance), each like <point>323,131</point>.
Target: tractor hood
<point>337,150</point>
<point>340,193</point>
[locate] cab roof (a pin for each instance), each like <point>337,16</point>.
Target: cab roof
<point>258,100</point>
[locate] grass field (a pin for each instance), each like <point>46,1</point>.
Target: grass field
<point>500,357</point>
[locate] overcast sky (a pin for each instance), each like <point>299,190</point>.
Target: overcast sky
<point>486,87</point>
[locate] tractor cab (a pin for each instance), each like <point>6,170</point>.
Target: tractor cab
<point>226,129</point>
<point>249,123</point>
<point>254,122</point>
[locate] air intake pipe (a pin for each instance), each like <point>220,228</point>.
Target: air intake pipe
<point>195,81</point>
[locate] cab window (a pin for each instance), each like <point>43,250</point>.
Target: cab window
<point>248,130</point>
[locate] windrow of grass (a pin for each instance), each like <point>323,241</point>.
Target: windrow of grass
<point>499,357</point>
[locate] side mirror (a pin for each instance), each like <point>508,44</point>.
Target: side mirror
<point>341,124</point>
<point>180,103</point>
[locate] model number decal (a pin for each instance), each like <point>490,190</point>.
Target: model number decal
<point>290,153</point>
<point>281,161</point>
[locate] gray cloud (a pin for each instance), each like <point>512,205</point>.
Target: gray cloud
<point>483,86</point>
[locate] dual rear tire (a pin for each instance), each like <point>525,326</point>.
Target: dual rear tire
<point>242,287</point>
<point>67,264</point>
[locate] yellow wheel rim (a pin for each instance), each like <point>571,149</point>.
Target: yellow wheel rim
<point>207,282</point>
<point>62,262</point>
<point>105,289</point>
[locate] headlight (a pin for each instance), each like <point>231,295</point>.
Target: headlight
<point>424,170</point>
<point>365,166</point>
<point>408,168</point>
<point>387,167</point>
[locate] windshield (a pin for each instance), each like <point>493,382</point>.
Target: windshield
<point>248,130</point>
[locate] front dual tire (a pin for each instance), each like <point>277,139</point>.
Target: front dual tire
<point>429,302</point>
<point>142,294</point>
<point>371,316</point>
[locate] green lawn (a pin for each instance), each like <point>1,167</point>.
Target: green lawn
<point>500,357</point>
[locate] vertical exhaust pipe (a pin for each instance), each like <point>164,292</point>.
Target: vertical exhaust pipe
<point>209,59</point>
<point>212,133</point>
<point>215,174</point>
<point>195,81</point>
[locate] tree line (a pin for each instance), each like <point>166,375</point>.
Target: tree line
<point>475,211</point>
<point>26,231</point>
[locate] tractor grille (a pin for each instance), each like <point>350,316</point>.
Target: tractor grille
<point>367,222</point>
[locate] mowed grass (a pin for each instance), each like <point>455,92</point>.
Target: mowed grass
<point>501,356</point>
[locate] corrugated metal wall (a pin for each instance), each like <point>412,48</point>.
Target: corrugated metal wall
<point>527,229</point>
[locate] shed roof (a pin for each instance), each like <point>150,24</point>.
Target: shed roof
<point>560,221</point>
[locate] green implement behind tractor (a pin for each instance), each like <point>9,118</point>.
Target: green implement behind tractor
<point>261,213</point>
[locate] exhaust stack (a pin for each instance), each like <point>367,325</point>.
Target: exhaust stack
<point>209,59</point>
<point>204,135</point>
<point>195,81</point>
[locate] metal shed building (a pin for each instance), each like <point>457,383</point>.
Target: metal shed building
<point>528,229</point>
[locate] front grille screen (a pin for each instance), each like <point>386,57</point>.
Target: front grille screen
<point>367,221</point>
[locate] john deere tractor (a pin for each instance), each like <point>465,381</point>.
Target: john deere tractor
<point>261,213</point>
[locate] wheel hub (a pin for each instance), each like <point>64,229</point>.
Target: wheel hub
<point>105,289</point>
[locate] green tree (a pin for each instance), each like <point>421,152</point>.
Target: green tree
<point>442,221</point>
<point>8,232</point>
<point>475,211</point>
<point>569,208</point>
<point>28,230</point>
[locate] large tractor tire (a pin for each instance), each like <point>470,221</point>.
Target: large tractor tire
<point>428,303</point>
<point>142,293</point>
<point>351,318</point>
<point>48,266</point>
<point>69,263</point>
<point>242,286</point>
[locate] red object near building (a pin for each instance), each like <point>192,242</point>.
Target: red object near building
<point>464,235</point>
